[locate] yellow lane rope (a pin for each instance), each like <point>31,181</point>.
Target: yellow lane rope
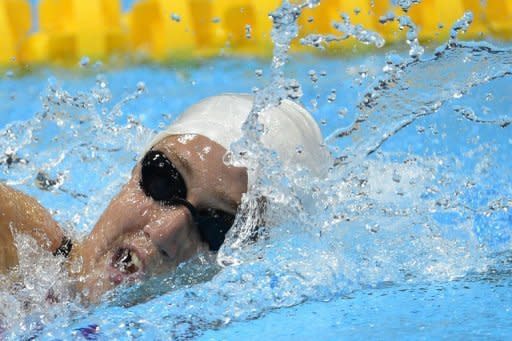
<point>68,30</point>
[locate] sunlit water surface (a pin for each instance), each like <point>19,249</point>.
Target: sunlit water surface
<point>410,234</point>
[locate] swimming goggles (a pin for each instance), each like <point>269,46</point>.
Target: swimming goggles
<point>161,181</point>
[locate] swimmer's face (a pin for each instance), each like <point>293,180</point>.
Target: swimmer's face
<point>141,234</point>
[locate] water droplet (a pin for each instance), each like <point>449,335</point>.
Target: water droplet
<point>313,76</point>
<point>175,17</point>
<point>84,61</point>
<point>76,265</point>
<point>248,30</point>
<point>293,89</point>
<point>457,95</point>
<point>390,16</point>
<point>343,112</point>
<point>141,87</point>
<point>405,5</point>
<point>332,96</point>
<point>313,3</point>
<point>372,228</point>
<point>396,176</point>
<point>460,26</point>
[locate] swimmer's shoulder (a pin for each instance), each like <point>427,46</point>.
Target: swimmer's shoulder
<point>20,213</point>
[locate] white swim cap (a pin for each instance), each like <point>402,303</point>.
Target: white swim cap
<point>289,129</point>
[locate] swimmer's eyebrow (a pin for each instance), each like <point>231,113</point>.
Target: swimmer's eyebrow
<point>182,162</point>
<point>179,161</point>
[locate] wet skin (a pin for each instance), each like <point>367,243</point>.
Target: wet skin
<point>137,237</point>
<point>23,214</point>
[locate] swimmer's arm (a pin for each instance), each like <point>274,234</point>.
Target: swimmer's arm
<point>23,214</point>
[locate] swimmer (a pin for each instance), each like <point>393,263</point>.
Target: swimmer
<point>181,198</point>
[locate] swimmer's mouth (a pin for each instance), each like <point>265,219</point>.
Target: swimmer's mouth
<point>127,261</point>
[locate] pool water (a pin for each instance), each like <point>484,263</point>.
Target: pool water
<point>470,308</point>
<point>409,235</point>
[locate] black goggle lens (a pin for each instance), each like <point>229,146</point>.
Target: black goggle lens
<point>161,181</point>
<point>213,226</point>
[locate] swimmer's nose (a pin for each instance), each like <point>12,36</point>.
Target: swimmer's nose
<point>173,233</point>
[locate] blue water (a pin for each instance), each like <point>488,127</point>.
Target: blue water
<point>409,236</point>
<point>464,309</point>
<point>472,302</point>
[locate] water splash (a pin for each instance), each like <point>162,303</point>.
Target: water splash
<point>417,205</point>
<point>349,30</point>
<point>63,119</point>
<point>43,156</point>
<point>405,5</point>
<point>413,89</point>
<point>416,50</point>
<point>392,218</point>
<point>460,26</point>
<point>29,293</point>
<point>249,151</point>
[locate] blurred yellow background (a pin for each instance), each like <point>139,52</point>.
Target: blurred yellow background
<point>64,31</point>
